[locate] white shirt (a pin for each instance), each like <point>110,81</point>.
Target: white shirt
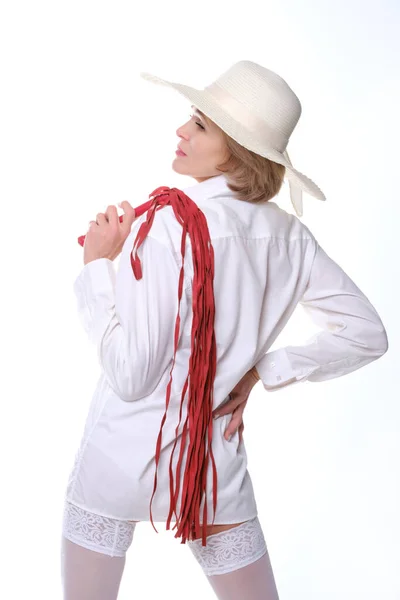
<point>266,262</point>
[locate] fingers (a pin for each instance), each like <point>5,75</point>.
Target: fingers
<point>230,431</point>
<point>241,428</point>
<point>231,406</point>
<point>227,407</point>
<point>235,422</point>
<point>101,218</point>
<point>129,212</point>
<point>236,406</point>
<point>112,214</point>
<point>128,208</point>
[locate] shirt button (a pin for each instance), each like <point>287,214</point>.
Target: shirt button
<point>272,364</point>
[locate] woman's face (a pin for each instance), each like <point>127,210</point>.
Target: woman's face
<point>204,147</point>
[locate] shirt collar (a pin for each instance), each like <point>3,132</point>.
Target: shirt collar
<point>209,188</point>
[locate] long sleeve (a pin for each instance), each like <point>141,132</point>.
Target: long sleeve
<point>132,322</point>
<point>352,333</point>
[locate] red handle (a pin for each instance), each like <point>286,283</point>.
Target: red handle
<point>139,210</point>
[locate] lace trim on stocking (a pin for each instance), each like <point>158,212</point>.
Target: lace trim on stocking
<point>95,532</point>
<point>231,549</point>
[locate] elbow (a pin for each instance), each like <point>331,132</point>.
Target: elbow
<point>125,397</point>
<point>371,344</point>
<point>127,388</point>
<point>129,383</point>
<point>380,344</point>
<point>141,383</point>
<point>133,383</point>
<point>383,345</point>
<point>134,389</point>
<point>131,393</point>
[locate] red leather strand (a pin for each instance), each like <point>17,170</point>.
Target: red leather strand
<point>202,366</point>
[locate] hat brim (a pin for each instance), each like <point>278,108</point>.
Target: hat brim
<point>208,105</point>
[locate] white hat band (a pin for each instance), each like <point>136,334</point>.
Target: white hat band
<point>238,111</point>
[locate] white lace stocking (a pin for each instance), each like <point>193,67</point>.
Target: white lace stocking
<point>254,582</point>
<point>93,554</point>
<point>236,563</point>
<point>95,532</point>
<point>89,575</point>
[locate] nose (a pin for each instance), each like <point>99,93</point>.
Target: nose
<point>182,132</point>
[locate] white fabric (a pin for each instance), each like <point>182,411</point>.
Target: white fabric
<point>266,262</point>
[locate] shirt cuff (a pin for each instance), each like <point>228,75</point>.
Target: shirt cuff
<point>94,289</point>
<point>275,370</point>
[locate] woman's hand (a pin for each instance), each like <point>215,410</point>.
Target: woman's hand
<point>236,405</point>
<point>106,236</point>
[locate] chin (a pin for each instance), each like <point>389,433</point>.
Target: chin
<point>178,167</point>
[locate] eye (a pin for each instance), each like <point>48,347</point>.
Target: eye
<point>197,123</point>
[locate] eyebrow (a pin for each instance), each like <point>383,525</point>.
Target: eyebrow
<point>198,112</point>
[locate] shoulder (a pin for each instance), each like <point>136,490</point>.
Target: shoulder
<point>232,217</point>
<point>278,223</point>
<point>165,232</point>
<point>229,218</point>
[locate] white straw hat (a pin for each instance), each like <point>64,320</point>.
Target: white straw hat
<point>258,109</point>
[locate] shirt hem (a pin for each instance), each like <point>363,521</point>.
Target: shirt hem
<point>159,518</point>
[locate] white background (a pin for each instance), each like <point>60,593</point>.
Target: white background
<point>80,130</point>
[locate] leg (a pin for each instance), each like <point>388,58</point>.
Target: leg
<point>93,554</point>
<point>236,562</point>
<point>89,575</point>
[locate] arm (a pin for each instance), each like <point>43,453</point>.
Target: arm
<point>132,322</point>
<point>352,333</point>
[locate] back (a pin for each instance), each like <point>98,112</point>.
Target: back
<point>263,258</point>
<point>266,262</point>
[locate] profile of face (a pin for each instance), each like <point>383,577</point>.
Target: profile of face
<point>204,147</point>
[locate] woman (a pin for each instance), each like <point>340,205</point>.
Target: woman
<point>264,262</point>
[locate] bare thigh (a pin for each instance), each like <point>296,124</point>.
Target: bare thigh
<point>211,529</point>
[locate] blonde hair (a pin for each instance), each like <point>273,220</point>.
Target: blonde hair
<point>252,177</point>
